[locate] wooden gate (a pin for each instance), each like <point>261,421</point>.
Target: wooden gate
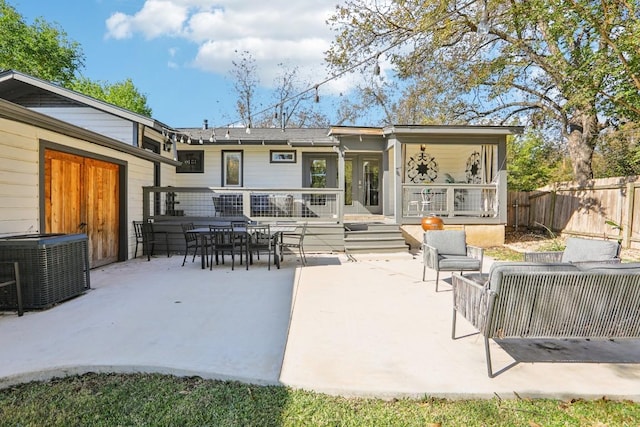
<point>81,196</point>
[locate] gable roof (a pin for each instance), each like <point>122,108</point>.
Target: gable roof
<point>15,85</point>
<point>11,111</point>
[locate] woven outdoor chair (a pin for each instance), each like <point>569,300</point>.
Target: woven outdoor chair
<point>447,250</point>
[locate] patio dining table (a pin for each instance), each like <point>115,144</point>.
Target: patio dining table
<point>275,230</point>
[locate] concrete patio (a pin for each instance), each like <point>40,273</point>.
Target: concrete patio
<point>364,328</point>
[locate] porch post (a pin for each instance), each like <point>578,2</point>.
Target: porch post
<point>398,173</point>
<point>340,151</point>
<point>502,193</point>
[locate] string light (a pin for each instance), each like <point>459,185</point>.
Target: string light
<point>482,26</point>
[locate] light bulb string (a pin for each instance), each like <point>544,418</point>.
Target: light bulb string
<point>341,73</point>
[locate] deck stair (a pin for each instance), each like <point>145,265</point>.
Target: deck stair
<point>366,237</point>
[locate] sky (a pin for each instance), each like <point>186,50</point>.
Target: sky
<point>179,53</point>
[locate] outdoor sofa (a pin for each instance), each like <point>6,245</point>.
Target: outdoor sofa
<point>578,249</point>
<point>529,301</point>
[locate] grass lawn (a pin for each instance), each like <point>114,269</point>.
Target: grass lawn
<point>157,400</point>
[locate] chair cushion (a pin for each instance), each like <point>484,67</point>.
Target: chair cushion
<point>580,250</point>
<point>622,268</point>
<point>447,242</point>
<point>499,268</point>
<point>458,263</point>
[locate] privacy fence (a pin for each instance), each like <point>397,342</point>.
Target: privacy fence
<point>581,210</point>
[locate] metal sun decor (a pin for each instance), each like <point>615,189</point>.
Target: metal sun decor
<point>474,168</point>
<point>422,167</point>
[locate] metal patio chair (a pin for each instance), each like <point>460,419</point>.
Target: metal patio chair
<point>148,237</point>
<point>10,276</point>
<point>294,241</point>
<point>192,243</point>
<point>260,239</point>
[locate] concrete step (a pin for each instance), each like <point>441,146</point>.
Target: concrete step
<point>374,237</point>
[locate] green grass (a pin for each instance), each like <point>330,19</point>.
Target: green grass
<point>157,400</point>
<point>502,253</point>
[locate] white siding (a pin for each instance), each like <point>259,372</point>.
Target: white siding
<point>19,181</point>
<point>258,172</point>
<point>451,159</point>
<point>95,120</point>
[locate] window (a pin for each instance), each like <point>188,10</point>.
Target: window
<point>232,168</point>
<point>192,161</point>
<point>319,173</point>
<point>282,156</point>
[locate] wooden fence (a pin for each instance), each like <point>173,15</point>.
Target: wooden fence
<point>581,210</point>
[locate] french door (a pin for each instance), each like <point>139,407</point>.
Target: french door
<point>362,179</point>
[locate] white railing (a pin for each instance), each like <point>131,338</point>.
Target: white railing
<point>305,204</point>
<point>449,200</point>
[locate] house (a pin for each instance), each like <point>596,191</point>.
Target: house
<point>71,163</point>
<point>343,174</point>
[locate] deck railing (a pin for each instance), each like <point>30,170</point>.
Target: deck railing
<point>449,200</point>
<point>304,204</point>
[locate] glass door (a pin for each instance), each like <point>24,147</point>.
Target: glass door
<point>362,184</point>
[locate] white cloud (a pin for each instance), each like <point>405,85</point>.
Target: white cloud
<point>279,31</point>
<point>157,18</point>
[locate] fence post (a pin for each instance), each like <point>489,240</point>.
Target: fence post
<point>628,223</point>
<point>552,210</point>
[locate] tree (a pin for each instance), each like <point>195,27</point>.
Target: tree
<point>245,75</point>
<point>42,49</point>
<point>532,162</point>
<point>618,152</point>
<point>123,94</point>
<point>292,106</point>
<point>564,62</point>
<point>295,101</point>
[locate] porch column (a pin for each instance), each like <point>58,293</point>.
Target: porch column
<point>397,180</point>
<point>340,151</point>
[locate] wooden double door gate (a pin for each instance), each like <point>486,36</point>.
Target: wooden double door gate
<point>81,195</point>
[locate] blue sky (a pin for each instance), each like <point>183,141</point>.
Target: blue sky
<point>179,52</point>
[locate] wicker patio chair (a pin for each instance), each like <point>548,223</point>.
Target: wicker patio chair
<point>447,250</point>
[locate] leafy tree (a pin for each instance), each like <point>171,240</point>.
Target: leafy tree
<point>123,94</point>
<point>567,63</point>
<point>618,152</point>
<point>42,49</point>
<point>532,162</point>
<point>373,91</point>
